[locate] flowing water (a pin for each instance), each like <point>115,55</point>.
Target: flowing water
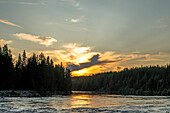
<point>86,102</point>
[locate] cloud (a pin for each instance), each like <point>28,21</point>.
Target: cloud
<point>76,48</point>
<point>94,60</point>
<point>71,53</point>
<point>22,3</point>
<point>82,60</point>
<point>10,23</point>
<point>74,20</point>
<point>2,42</point>
<point>47,41</point>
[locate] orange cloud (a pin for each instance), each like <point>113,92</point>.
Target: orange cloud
<point>83,61</point>
<point>71,53</point>
<point>10,23</point>
<point>2,42</point>
<point>97,69</point>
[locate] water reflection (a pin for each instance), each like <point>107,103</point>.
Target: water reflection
<point>80,101</point>
<point>86,100</point>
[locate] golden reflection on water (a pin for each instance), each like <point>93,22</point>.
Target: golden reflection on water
<point>88,100</point>
<point>81,101</point>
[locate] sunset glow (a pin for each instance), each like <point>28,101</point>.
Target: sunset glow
<point>81,60</point>
<point>84,56</point>
<point>83,72</point>
<point>88,39</point>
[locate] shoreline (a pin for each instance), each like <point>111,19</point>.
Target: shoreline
<point>113,93</point>
<point>19,93</point>
<point>28,93</point>
<point>32,93</point>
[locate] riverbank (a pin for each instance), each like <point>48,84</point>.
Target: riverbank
<point>19,93</point>
<point>29,93</point>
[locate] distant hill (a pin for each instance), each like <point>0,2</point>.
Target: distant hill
<point>152,80</point>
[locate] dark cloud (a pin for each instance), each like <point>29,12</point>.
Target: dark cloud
<point>92,61</point>
<point>44,38</point>
<point>119,67</point>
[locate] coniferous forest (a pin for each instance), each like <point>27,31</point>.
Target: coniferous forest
<point>36,73</point>
<point>152,80</point>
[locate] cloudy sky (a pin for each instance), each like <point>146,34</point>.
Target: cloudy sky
<point>89,36</point>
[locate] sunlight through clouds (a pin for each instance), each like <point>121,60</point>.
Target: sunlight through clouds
<point>71,53</point>
<point>82,60</point>
<point>77,49</point>
<point>111,34</point>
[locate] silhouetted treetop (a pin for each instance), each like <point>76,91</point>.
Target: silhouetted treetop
<point>36,73</point>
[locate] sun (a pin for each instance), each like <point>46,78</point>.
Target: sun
<point>86,71</point>
<point>79,72</point>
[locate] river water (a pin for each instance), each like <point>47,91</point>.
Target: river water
<point>86,102</point>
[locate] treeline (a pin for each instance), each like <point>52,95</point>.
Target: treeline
<point>152,80</point>
<point>36,73</point>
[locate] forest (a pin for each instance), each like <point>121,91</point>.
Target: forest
<point>37,73</point>
<point>148,80</point>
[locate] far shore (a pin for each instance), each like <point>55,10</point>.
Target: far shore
<point>27,93</point>
<point>19,93</point>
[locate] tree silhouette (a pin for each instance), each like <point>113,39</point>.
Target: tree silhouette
<point>153,80</point>
<point>34,73</point>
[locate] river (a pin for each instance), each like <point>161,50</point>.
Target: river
<point>81,101</point>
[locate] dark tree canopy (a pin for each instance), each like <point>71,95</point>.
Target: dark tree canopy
<point>36,73</point>
<point>153,80</point>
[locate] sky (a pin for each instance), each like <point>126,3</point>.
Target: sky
<point>89,36</point>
